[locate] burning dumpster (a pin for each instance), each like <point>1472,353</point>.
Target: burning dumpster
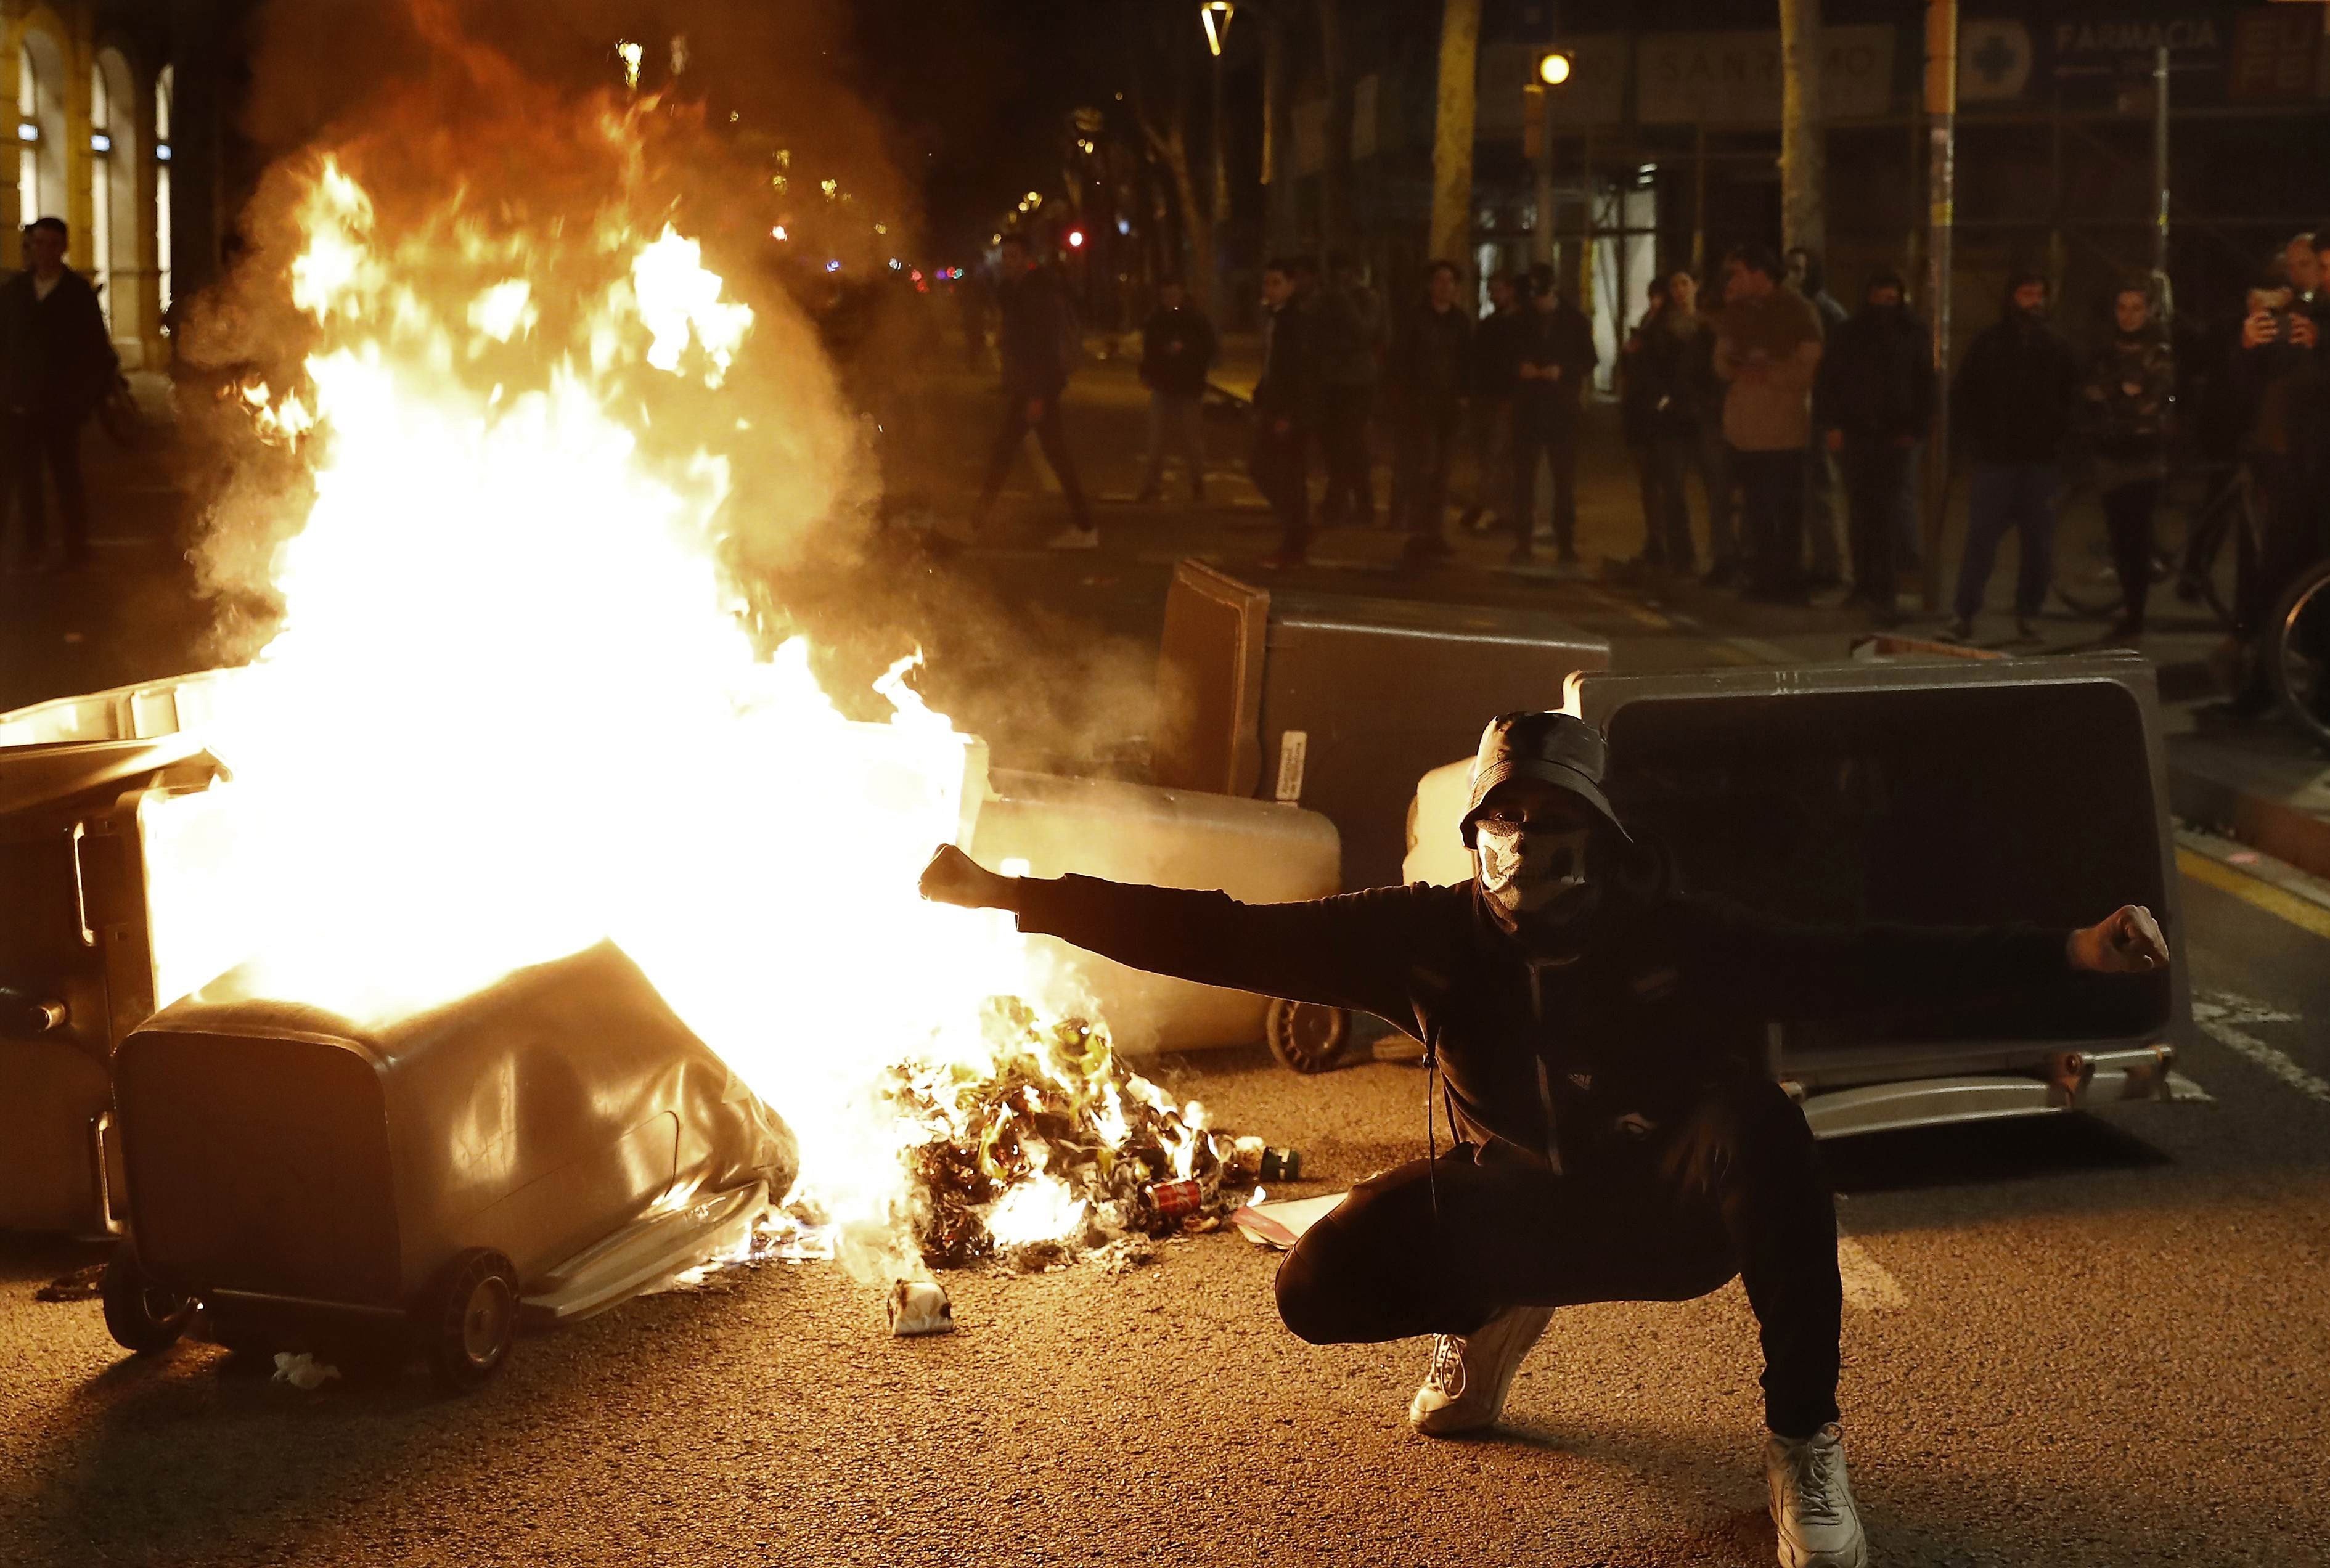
<point>1936,794</point>
<point>89,786</point>
<point>541,1148</point>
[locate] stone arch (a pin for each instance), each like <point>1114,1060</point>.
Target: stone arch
<point>121,215</point>
<point>44,131</point>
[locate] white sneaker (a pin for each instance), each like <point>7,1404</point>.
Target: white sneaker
<point>1812,1510</point>
<point>1465,1385</point>
<point>1074,538</point>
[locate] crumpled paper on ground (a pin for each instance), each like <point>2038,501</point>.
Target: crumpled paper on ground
<point>1281,1225</point>
<point>303,1371</point>
<point>920,1307</point>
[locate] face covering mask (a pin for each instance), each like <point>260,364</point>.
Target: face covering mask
<point>1532,871</point>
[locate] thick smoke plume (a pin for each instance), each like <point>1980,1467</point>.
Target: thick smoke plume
<point>471,126</point>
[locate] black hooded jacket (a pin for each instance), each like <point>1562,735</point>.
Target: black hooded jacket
<point>1668,993</point>
<point>56,357</point>
<point>2012,399</point>
<point>1876,381</point>
<point>1177,350</point>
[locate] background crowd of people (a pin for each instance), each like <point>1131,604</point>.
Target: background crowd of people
<point>1799,424</point>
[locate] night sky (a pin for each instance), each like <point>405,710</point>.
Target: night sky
<point>978,90</point>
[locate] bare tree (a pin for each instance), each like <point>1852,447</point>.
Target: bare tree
<point>1159,57</point>
<point>1452,136</point>
<point>1804,218</point>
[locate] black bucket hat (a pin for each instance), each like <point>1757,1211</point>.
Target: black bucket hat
<point>1559,749</point>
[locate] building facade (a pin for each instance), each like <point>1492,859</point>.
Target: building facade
<point>1662,146</point>
<point>124,131</point>
<point>93,132</point>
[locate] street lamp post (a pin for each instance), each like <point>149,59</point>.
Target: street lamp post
<point>1553,68</point>
<point>1215,15</point>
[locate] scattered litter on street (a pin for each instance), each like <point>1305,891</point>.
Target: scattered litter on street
<point>303,1371</point>
<point>81,1285</point>
<point>1279,1225</point>
<point>920,1307</point>
<point>1058,1150</point>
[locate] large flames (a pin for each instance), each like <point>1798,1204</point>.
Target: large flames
<point>515,705</point>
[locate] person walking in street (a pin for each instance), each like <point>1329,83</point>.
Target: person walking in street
<point>1286,403</point>
<point>1431,365</point>
<point>1767,349</point>
<point>1177,350</point>
<point>1496,366</point>
<point>1717,470</point>
<point>1602,1033</point>
<point>1655,406</point>
<point>1874,399</point>
<point>2012,399</point>
<point>1350,336</point>
<point>1554,356</point>
<point>1037,339</point>
<point>2125,402</point>
<point>57,364</point>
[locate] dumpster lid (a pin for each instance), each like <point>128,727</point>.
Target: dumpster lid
<point>32,775</point>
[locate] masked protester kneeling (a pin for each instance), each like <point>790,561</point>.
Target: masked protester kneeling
<point>1601,1032</point>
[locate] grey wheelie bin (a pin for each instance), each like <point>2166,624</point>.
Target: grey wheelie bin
<point>539,1149</point>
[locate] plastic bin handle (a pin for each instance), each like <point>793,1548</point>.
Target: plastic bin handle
<point>80,888</point>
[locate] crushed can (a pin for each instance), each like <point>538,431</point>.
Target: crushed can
<point>1282,1164</point>
<point>1176,1199</point>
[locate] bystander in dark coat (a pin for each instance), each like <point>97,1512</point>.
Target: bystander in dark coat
<point>57,364</point>
<point>1177,350</point>
<point>1286,410</point>
<point>2010,406</point>
<point>1874,398</point>
<point>2126,399</point>
<point>1037,341</point>
<point>1350,332</point>
<point>1430,369</point>
<point>1556,356</point>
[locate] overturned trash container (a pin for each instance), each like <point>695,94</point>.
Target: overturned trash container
<point>1253,850</point>
<point>90,788</point>
<point>1337,703</point>
<point>1937,794</point>
<point>539,1149</point>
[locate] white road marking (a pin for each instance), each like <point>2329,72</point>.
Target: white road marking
<point>2222,1014</point>
<point>1867,1285</point>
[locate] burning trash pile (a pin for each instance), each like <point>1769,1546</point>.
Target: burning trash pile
<point>518,481</point>
<point>1055,1146</point>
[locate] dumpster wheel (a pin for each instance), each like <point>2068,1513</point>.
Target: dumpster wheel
<point>141,1315</point>
<point>1304,1035</point>
<point>469,1320</point>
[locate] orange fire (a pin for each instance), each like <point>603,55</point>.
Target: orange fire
<point>514,704</point>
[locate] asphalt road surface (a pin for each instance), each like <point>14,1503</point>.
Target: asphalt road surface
<point>2073,1340</point>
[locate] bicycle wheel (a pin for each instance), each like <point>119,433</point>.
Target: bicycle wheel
<point>2297,651</point>
<point>2086,581</point>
